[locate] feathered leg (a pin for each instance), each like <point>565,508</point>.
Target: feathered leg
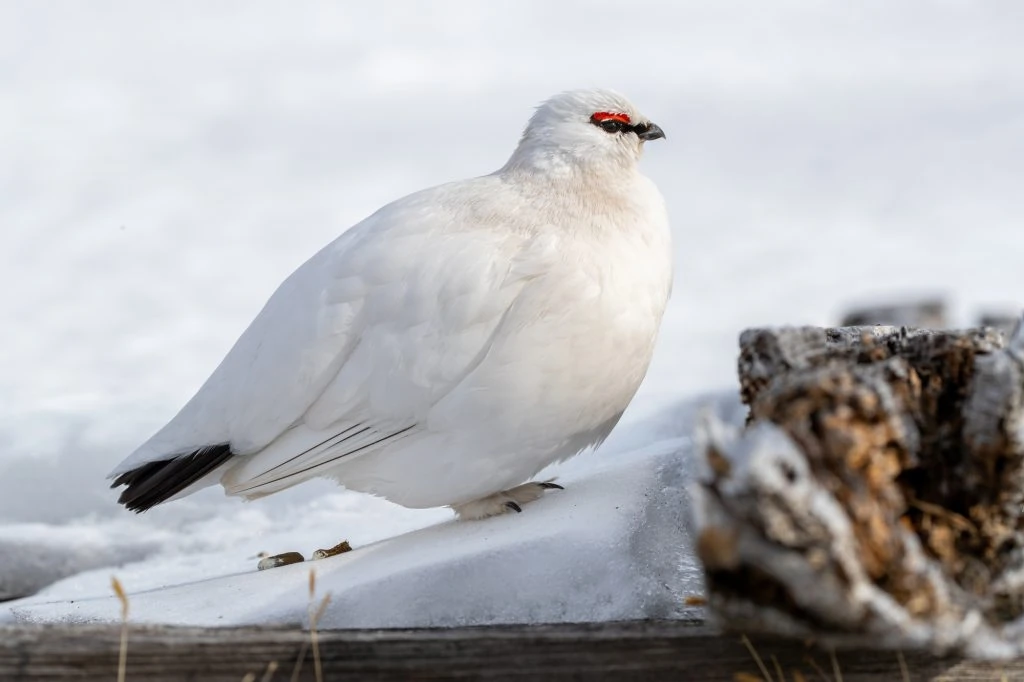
<point>505,501</point>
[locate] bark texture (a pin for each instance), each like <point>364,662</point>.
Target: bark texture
<point>877,491</point>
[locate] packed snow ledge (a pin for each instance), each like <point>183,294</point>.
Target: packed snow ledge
<point>613,545</point>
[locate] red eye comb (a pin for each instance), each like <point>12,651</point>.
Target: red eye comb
<point>611,116</point>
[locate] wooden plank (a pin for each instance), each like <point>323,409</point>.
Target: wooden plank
<point>612,651</point>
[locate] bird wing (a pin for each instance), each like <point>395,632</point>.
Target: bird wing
<point>354,347</point>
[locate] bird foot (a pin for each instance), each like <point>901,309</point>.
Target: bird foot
<point>504,502</point>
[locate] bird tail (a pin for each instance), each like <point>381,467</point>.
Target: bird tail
<point>154,482</point>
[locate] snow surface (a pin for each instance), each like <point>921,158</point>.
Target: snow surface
<point>612,546</point>
<point>615,544</point>
<point>33,555</point>
<point>166,166</point>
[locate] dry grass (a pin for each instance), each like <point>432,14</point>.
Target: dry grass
<point>904,671</point>
<point>298,662</point>
<point>314,618</point>
<point>757,658</point>
<point>835,665</point>
<point>122,657</point>
<point>798,676</point>
<point>268,674</point>
<point>316,611</point>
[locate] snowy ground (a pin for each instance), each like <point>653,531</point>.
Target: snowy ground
<point>613,546</point>
<point>166,165</point>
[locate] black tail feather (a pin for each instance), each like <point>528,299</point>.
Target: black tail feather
<point>156,482</point>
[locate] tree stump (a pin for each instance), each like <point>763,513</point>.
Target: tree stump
<point>877,494</point>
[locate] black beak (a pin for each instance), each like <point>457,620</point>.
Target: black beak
<point>649,131</point>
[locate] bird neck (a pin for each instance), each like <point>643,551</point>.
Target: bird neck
<point>567,166</point>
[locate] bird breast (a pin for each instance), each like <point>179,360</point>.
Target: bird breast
<point>577,341</point>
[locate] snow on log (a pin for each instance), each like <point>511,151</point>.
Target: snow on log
<point>876,495</point>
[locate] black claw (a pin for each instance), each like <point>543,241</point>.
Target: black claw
<point>514,507</point>
<point>550,486</point>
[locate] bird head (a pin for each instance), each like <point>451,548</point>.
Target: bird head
<point>588,128</point>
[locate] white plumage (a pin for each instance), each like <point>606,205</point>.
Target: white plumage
<point>451,345</point>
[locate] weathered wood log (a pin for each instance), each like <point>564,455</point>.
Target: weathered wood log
<point>1003,321</point>
<point>646,651</point>
<point>877,493</point>
<point>928,314</point>
<point>769,354</point>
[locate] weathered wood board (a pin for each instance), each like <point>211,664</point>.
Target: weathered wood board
<point>675,651</point>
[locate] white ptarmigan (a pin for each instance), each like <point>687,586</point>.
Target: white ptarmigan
<point>450,346</point>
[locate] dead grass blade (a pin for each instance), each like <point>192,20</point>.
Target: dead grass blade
<point>122,656</point>
<point>757,659</point>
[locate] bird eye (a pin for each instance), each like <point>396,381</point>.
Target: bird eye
<point>611,122</point>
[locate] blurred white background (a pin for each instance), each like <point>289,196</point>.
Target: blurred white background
<point>163,166</point>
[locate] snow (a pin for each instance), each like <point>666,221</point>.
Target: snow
<point>166,166</point>
<point>33,555</point>
<point>561,559</point>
